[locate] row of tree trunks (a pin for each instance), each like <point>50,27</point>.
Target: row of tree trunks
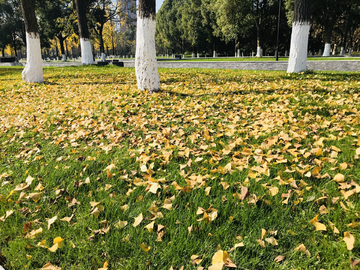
<point>145,62</point>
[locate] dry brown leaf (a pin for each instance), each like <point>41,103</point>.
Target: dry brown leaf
<point>279,258</point>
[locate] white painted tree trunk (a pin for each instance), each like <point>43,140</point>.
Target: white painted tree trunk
<point>258,52</point>
<point>145,61</point>
<point>86,52</point>
<point>298,47</point>
<point>342,51</point>
<point>33,71</point>
<point>327,49</point>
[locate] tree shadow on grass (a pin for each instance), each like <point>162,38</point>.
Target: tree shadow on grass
<point>10,71</point>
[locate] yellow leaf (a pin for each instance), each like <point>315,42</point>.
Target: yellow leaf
<point>107,187</point>
<point>220,256</point>
<point>54,247</point>
<point>273,191</point>
<point>59,241</point>
<point>104,266</point>
<point>332,226</point>
<point>150,227</point>
<point>34,234</point>
<point>67,219</point>
<point>263,233</point>
<point>349,240</point>
<point>217,266</point>
<point>261,242</point>
<point>121,224</point>
<point>207,191</point>
<point>108,174</point>
<point>339,178</point>
<point>97,211</point>
<point>138,220</point>
<point>146,249</point>
<point>279,258</point>
<point>35,196</point>
<point>271,241</point>
<point>319,226</point>
<point>8,213</point>
<point>316,171</point>
<point>124,207</point>
<point>302,248</point>
<point>323,210</point>
<point>49,266</point>
<point>154,188</point>
<point>42,244</point>
<point>51,221</point>
<point>319,152</point>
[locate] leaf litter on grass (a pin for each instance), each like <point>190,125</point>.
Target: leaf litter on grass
<point>215,155</point>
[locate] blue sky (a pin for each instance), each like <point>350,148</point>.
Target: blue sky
<point>158,4</point>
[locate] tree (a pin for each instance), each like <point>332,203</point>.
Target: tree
<point>12,29</point>
<point>145,62</point>
<point>327,14</point>
<point>86,51</point>
<point>33,71</point>
<point>56,20</point>
<point>168,31</point>
<point>299,36</point>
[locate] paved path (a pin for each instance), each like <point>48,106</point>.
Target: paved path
<point>330,65</point>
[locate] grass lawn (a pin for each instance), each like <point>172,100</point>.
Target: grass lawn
<point>253,168</point>
<point>262,59</point>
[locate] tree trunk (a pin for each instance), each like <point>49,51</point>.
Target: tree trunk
<point>299,36</point>
<point>33,71</point>
<point>85,44</point>
<point>102,47</point>
<point>145,62</point>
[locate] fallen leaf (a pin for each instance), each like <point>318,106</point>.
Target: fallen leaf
<point>302,248</point>
<point>138,220</point>
<point>120,224</point>
<point>272,241</point>
<point>150,227</point>
<point>146,249</point>
<point>349,240</point>
<point>51,221</point>
<point>279,258</point>
<point>339,178</point>
<point>49,266</point>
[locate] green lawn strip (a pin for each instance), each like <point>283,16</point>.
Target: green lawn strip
<point>259,59</point>
<point>202,122</point>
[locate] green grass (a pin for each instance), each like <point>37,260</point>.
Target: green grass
<point>236,59</point>
<point>84,119</point>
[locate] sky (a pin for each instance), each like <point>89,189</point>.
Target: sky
<point>158,4</point>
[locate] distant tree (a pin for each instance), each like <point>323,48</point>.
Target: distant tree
<point>326,14</point>
<point>86,49</point>
<point>56,20</point>
<point>33,71</point>
<point>236,18</point>
<point>299,36</point>
<point>12,29</point>
<point>168,23</point>
<point>145,63</point>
